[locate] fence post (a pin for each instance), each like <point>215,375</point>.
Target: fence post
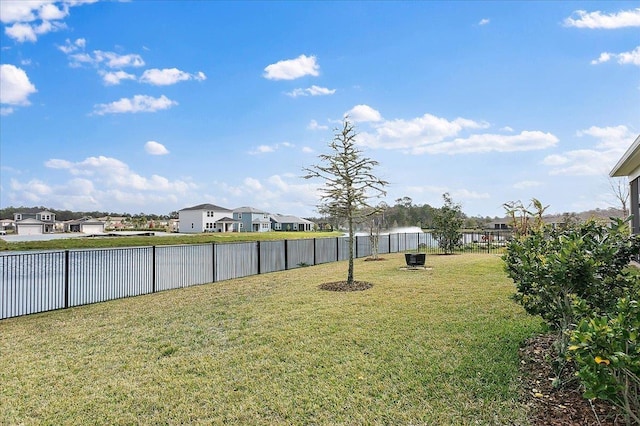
<point>355,243</point>
<point>213,262</point>
<point>153,269</point>
<point>337,249</point>
<point>66,279</point>
<point>259,263</point>
<point>314,252</point>
<point>286,255</point>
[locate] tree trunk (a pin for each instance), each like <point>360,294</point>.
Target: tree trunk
<point>351,242</point>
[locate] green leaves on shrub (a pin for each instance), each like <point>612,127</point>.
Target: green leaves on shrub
<point>552,266</point>
<point>606,349</point>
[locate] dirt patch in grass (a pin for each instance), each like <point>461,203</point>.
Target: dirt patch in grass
<point>564,405</point>
<point>374,259</point>
<point>345,286</point>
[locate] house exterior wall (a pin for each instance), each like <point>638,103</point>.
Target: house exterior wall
<point>91,228</point>
<point>29,229</point>
<point>635,205</point>
<point>196,221</point>
<point>191,221</point>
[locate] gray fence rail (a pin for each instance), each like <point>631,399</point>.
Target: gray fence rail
<point>35,282</point>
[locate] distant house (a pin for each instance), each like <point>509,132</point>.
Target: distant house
<point>7,225</point>
<point>26,223</point>
<point>251,220</point>
<point>114,222</point>
<point>629,165</point>
<point>205,218</point>
<point>290,223</point>
<point>86,225</point>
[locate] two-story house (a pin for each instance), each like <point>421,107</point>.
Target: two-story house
<point>205,218</point>
<point>251,220</point>
<point>27,223</point>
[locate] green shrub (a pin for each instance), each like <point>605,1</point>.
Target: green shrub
<point>550,267</point>
<point>606,349</point>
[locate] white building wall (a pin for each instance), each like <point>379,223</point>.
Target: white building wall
<point>92,229</point>
<point>191,221</point>
<point>29,229</point>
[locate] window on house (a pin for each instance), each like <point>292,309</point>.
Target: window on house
<point>239,215</point>
<point>241,225</point>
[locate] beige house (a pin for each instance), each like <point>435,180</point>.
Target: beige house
<point>629,166</point>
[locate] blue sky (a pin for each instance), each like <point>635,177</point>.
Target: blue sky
<point>154,106</point>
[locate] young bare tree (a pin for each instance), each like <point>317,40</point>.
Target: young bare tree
<point>620,189</point>
<point>349,183</point>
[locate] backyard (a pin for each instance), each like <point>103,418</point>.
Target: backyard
<point>434,346</point>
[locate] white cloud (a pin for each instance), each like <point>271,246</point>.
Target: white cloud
<point>527,184</point>
<point>415,134</point>
<point>484,21</point>
<point>486,142</point>
<point>155,148</point>
<point>107,172</point>
<point>632,57</point>
<point>312,91</point>
<point>264,149</point>
<point>308,150</point>
<point>15,86</point>
<point>73,46</point>
<point>168,76</point>
<point>611,143</point>
<point>139,103</point>
<point>313,125</point>
<point>597,19</point>
<point>291,69</point>
<point>100,183</point>
<point>26,20</point>
<point>114,78</point>
<point>430,134</point>
<point>363,113</point>
<point>114,60</point>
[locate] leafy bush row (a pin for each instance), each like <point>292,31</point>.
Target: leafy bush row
<point>578,280</point>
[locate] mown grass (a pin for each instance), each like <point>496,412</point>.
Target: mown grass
<point>138,241</point>
<point>421,347</point>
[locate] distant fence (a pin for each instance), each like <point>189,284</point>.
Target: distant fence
<point>34,282</point>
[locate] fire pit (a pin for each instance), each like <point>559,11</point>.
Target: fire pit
<point>415,260</point>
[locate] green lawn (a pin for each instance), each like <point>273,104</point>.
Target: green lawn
<point>75,242</point>
<point>435,347</point>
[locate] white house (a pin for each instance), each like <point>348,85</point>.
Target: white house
<point>205,218</point>
<point>251,220</point>
<point>629,165</point>
<point>42,222</point>
<point>281,222</point>
<point>86,225</point>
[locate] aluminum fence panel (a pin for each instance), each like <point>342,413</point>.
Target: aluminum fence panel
<point>394,243</point>
<point>183,266</point>
<point>343,248</point>
<point>384,244</point>
<point>107,274</point>
<point>299,253</point>
<point>31,282</point>
<point>326,250</point>
<point>235,260</point>
<point>272,256</point>
<point>363,246</point>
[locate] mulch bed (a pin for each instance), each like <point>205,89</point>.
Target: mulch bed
<point>344,286</point>
<point>564,405</point>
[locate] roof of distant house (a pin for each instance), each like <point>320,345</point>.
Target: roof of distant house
<point>247,209</point>
<point>207,207</point>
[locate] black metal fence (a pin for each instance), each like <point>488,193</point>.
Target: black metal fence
<point>34,282</point>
